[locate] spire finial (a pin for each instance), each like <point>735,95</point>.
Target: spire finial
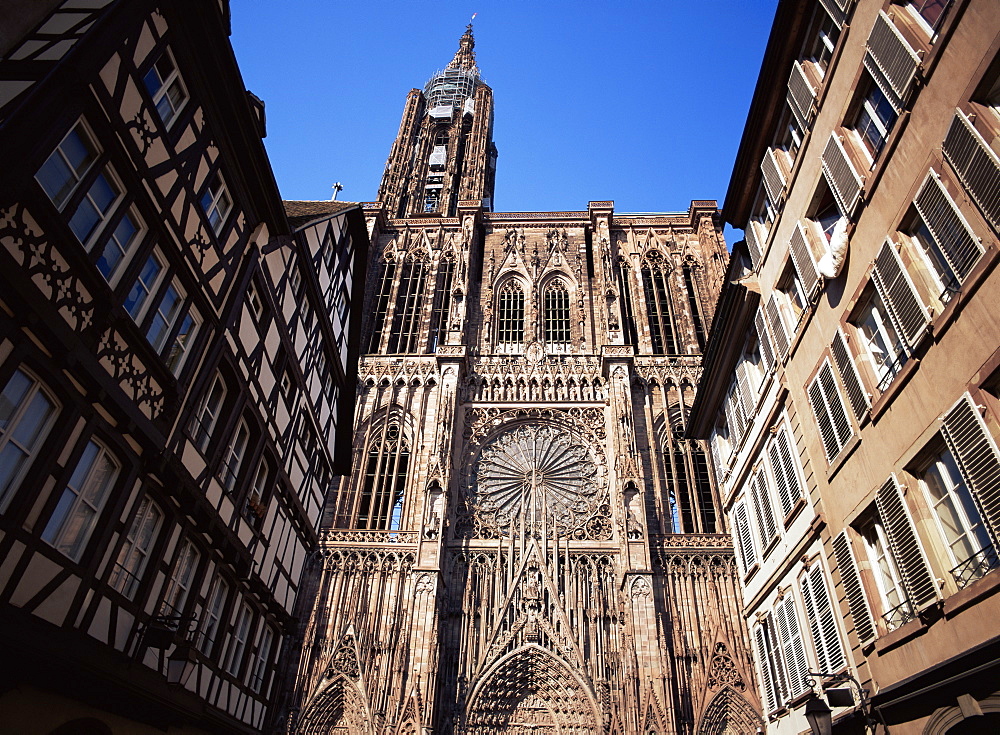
<point>465,57</point>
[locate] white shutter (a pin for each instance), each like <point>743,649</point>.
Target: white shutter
<point>899,295</point>
<point>977,166</point>
<point>802,259</point>
<point>828,407</point>
<point>774,178</point>
<point>767,528</point>
<point>856,394</point>
<point>786,479</point>
<point>766,668</point>
<point>890,60</point>
<point>716,457</point>
<point>977,455</point>
<point>844,180</point>
<point>837,9</point>
<point>801,95</point>
<point>777,326</point>
<point>956,240</point>
<point>853,589</point>
<point>822,621</point>
<point>792,647</point>
<point>755,244</point>
<point>906,548</point>
<point>764,340</point>
<point>744,541</point>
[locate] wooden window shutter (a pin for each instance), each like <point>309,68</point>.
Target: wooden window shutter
<point>977,166</point>
<point>906,548</point>
<point>950,230</point>
<point>837,9</point>
<point>801,95</point>
<point>802,259</point>
<point>764,339</point>
<point>766,668</point>
<point>733,418</point>
<point>792,647</point>
<point>783,468</point>
<point>978,457</point>
<point>752,236</point>
<point>831,416</point>
<point>890,60</point>
<point>717,458</point>
<point>746,547</point>
<point>899,295</point>
<point>774,178</point>
<point>777,326</point>
<point>844,181</point>
<point>766,525</point>
<point>853,589</point>
<point>822,621</point>
<point>856,394</point>
<point>748,392</point>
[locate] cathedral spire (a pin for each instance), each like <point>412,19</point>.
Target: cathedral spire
<point>465,57</point>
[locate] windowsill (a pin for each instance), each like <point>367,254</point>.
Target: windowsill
<point>902,634</point>
<point>901,379</point>
<point>978,590</point>
<point>771,545</point>
<point>988,260</point>
<point>842,456</point>
<point>751,572</point>
<point>794,512</point>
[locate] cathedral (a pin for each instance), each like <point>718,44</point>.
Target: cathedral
<point>529,542</point>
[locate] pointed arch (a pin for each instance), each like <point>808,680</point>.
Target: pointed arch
<point>386,280</point>
<point>729,713</point>
<point>659,307</point>
<point>442,301</point>
<point>338,709</point>
<point>532,685</point>
<point>405,331</point>
<point>556,326</point>
<point>510,316</point>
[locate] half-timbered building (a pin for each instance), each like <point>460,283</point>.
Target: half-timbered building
<point>177,361</point>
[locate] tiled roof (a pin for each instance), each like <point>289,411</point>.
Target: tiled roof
<point>302,213</point>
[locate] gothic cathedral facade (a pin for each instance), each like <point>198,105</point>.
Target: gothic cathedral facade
<point>529,543</point>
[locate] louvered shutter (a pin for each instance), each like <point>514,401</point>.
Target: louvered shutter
<point>957,241</point>
<point>766,668</point>
<point>849,376</point>
<point>777,326</point>
<point>837,9</point>
<point>734,417</point>
<point>977,166</point>
<point>831,416</point>
<point>764,340</point>
<point>906,310</point>
<point>976,452</point>
<point>774,178</point>
<point>793,649</point>
<point>906,549</point>
<point>766,525</point>
<point>743,539</point>
<point>801,95</point>
<point>890,60</point>
<point>802,259</point>
<point>853,589</point>
<point>786,479</point>
<point>822,622</point>
<point>748,391</point>
<point>754,243</point>
<point>843,179</point>
<point>716,457</point>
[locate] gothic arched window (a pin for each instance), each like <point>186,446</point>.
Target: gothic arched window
<point>694,304</point>
<point>557,337</point>
<point>381,306</point>
<point>409,307</point>
<point>623,274</point>
<point>657,292</point>
<point>442,303</point>
<point>510,317</point>
<point>385,479</point>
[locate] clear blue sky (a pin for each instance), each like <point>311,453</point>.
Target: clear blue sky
<point>640,102</point>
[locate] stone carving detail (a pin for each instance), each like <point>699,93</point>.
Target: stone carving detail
<point>42,262</point>
<point>425,583</point>
<point>345,661</point>
<point>336,536</point>
<point>723,672</point>
<point>640,588</point>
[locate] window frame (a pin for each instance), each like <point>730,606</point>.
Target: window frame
<point>128,568</point>
<point>210,199</point>
<point>201,436</point>
<point>35,387</point>
<point>162,91</point>
<point>181,582</point>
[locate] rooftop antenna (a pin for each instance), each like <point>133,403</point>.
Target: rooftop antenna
<point>337,188</point>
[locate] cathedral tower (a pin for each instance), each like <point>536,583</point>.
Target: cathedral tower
<point>529,542</point>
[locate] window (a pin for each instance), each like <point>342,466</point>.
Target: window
<point>792,297</point>
<point>406,318</point>
<point>784,469</point>
<point>165,316</point>
<point>208,413</point>
<point>384,480</point>
<point>825,212</point>
<point>255,508</point>
<point>823,39</point>
<point>166,88</point>
<point>216,203</point>
<point>744,541</point>
<point>875,118</point>
<point>95,212</point>
<point>694,303</point>
<point>172,324</point>
<point>510,317</point>
<point>72,521</point>
<point>781,653</point>
<point>181,580</point>
<point>880,340</point>
<point>233,459</point>
<point>767,528</point>
<point>930,12</point>
<point>886,575</point>
<point>27,412</point>
<point>214,607</point>
<point>144,285</point>
<point>134,553</point>
<point>261,659</point>
<point>828,408</point>
<point>822,620</point>
<point>381,306</point>
<point>557,333</point>
<point>658,307</point>
<point>442,303</point>
<point>254,302</point>
<point>238,641</point>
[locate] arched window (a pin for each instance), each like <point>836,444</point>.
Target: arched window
<point>442,303</point>
<point>623,274</point>
<point>381,306</point>
<point>385,479</point>
<point>510,317</point>
<point>409,307</point>
<point>694,304</point>
<point>657,292</point>
<point>557,337</point>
